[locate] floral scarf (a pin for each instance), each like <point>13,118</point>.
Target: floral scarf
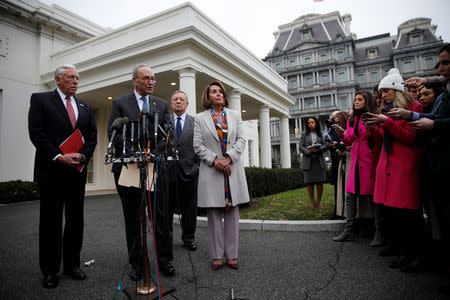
<point>221,124</point>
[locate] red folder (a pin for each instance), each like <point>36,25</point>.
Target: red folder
<point>73,144</point>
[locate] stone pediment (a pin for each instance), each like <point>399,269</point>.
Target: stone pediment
<point>305,45</point>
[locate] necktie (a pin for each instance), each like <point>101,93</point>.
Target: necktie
<point>145,105</point>
<point>179,129</point>
<point>70,112</point>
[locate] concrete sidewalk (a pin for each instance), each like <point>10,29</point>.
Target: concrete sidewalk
<point>273,264</point>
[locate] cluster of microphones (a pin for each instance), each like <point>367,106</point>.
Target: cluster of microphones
<point>139,133</point>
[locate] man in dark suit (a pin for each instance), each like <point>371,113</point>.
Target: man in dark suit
<point>130,106</point>
<point>183,173</point>
<point>52,118</point>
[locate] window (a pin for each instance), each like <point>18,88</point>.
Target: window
<point>324,78</point>
<point>292,62</point>
<point>407,66</point>
<point>292,82</point>
<point>340,54</point>
<point>296,106</point>
<point>308,79</point>
<point>306,35</point>
<point>278,66</point>
<point>323,57</point>
<point>325,101</point>
<point>373,76</point>
<point>307,60</point>
<point>341,76</point>
<point>371,53</point>
<point>414,39</point>
<point>343,102</point>
<point>309,102</point>
<point>429,63</point>
<point>360,78</point>
<point>275,129</point>
<point>386,72</point>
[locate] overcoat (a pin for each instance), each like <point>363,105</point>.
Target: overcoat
<point>211,191</point>
<point>361,155</point>
<point>305,142</point>
<point>397,176</point>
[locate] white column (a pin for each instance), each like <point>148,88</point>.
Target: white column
<point>187,85</point>
<point>264,137</point>
<point>284,143</point>
<point>235,100</point>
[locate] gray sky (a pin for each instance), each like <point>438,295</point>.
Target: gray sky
<point>253,22</point>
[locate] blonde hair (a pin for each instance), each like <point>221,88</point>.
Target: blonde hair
<point>401,100</point>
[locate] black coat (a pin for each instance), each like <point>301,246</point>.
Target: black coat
<point>49,125</point>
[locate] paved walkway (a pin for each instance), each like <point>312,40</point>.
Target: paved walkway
<point>273,264</point>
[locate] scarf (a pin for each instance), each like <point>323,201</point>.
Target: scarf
<point>222,131</point>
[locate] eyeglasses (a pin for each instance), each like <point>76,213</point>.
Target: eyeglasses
<point>148,79</point>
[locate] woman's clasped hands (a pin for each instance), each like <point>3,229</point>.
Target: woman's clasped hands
<point>223,165</point>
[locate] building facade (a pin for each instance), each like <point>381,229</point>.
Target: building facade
<point>185,48</point>
<point>325,64</point>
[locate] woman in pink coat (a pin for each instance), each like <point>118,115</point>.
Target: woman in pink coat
<point>359,184</point>
<point>397,173</point>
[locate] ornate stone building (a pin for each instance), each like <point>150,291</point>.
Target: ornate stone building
<point>324,64</point>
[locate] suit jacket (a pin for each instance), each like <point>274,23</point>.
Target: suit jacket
<point>188,163</point>
<point>211,191</point>
<point>127,106</point>
<point>49,125</point>
<point>305,141</point>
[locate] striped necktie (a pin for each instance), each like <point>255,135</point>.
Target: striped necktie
<point>71,112</point>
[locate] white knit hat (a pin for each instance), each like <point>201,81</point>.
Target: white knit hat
<point>393,80</point>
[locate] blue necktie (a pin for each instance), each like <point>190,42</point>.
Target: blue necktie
<point>145,104</point>
<point>179,129</point>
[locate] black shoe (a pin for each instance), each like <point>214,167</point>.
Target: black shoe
<point>414,266</point>
<point>136,274</point>
<point>50,281</point>
<point>345,236</point>
<point>167,269</point>
<point>399,263</point>
<point>190,245</point>
<point>75,273</point>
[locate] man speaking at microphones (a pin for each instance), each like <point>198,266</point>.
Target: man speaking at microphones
<point>132,106</point>
<point>62,128</point>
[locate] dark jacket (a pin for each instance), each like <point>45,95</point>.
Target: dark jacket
<point>49,125</point>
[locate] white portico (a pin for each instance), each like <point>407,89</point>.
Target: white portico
<point>186,50</point>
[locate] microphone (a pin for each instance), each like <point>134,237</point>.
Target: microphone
<point>155,128</point>
<point>124,131</point>
<point>155,120</point>
<point>115,126</point>
<point>143,115</point>
<point>132,134</point>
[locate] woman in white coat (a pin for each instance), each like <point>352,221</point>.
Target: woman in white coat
<point>219,142</point>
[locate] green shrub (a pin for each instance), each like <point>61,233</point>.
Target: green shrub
<point>263,181</point>
<point>18,191</point>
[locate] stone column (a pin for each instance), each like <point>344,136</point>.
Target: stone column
<point>187,85</point>
<point>264,137</point>
<point>235,100</point>
<point>285,148</point>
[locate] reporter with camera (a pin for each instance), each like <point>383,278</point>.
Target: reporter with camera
<point>397,173</point>
<point>360,184</point>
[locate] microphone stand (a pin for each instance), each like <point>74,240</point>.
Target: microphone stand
<point>146,290</point>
